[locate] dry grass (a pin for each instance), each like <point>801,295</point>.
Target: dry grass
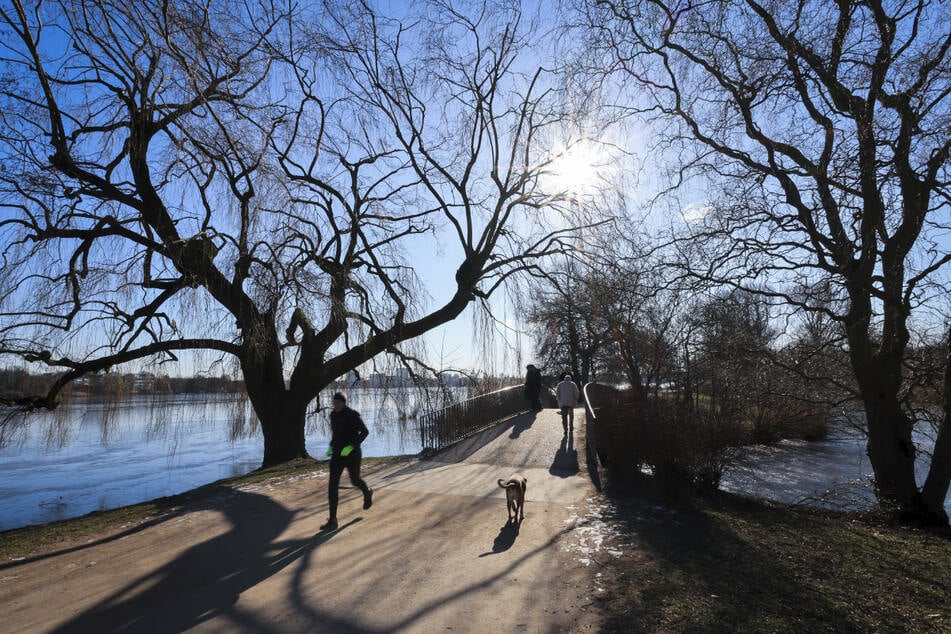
<point>725,563</point>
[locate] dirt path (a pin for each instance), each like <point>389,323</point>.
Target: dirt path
<point>435,553</point>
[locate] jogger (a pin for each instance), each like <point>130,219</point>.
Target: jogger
<point>347,431</point>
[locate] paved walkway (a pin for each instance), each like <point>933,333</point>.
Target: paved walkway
<point>435,553</point>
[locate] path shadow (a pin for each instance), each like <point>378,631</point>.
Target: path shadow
<point>565,463</point>
<point>206,580</point>
<point>505,539</point>
<point>161,519</point>
<point>453,596</point>
<point>521,423</point>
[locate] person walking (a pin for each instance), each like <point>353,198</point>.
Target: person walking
<point>533,387</point>
<point>347,431</point>
<point>567,394</point>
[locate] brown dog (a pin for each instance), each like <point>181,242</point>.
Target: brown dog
<point>514,496</point>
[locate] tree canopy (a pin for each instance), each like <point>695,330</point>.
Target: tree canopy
<point>265,181</point>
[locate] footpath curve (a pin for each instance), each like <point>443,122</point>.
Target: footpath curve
<point>435,553</point>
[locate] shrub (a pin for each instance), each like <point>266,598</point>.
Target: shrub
<point>683,445</point>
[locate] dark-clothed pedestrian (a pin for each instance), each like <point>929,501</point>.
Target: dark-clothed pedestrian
<point>347,431</point>
<point>567,394</point>
<point>533,387</point>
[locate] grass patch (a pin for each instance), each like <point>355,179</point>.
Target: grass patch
<point>726,563</point>
<point>99,524</point>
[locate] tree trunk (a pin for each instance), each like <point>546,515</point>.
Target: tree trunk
<point>878,372</point>
<point>282,423</point>
<point>891,452</point>
<point>935,489</point>
<point>280,411</point>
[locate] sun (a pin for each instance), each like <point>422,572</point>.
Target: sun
<point>577,168</point>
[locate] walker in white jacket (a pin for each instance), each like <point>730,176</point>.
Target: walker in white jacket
<point>567,394</point>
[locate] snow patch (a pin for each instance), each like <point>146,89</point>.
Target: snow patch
<point>594,533</point>
<point>278,483</point>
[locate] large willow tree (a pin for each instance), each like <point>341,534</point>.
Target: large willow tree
<point>264,181</point>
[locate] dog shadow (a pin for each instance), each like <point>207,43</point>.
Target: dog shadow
<point>505,539</point>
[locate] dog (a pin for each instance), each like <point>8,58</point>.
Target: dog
<point>514,496</point>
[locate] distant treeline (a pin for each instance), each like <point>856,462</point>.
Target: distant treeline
<point>16,383</point>
<point>19,382</point>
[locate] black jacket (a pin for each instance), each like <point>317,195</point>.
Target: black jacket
<point>533,383</point>
<point>347,428</point>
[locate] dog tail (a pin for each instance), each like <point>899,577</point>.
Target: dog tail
<point>504,484</point>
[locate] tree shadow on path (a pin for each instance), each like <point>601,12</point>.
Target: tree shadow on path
<point>439,602</point>
<point>206,580</point>
<point>167,509</point>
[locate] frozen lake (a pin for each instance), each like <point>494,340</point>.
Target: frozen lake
<point>96,456</point>
<point>833,473</point>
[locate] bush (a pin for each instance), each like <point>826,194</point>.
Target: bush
<point>776,420</point>
<point>683,445</point>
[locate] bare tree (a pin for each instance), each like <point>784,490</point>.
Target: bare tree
<point>264,181</point>
<point>606,315</point>
<point>644,319</point>
<point>570,334</point>
<point>826,127</point>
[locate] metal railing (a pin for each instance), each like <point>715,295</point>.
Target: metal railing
<point>450,424</point>
<point>599,404</point>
